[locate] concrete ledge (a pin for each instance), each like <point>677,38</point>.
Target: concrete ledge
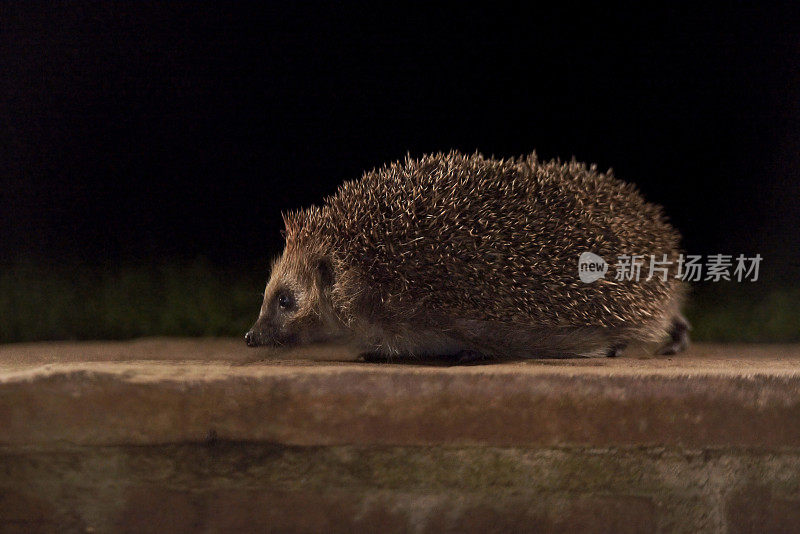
<point>180,436</point>
<point>692,401</point>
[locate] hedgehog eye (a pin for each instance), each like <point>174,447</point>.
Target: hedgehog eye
<point>285,301</point>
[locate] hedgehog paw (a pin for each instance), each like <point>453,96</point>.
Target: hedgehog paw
<point>374,357</point>
<point>615,350</point>
<point>678,337</point>
<point>470,357</point>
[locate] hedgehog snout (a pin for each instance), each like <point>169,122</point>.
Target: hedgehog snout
<point>253,339</point>
<point>265,334</point>
<point>260,333</point>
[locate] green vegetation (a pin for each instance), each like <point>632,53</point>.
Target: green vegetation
<point>746,312</point>
<point>174,299</point>
<point>39,302</point>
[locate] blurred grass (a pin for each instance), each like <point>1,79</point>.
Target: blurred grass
<point>173,299</point>
<point>41,302</point>
<point>745,312</point>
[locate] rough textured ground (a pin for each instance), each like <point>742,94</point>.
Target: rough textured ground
<point>192,435</point>
<point>703,356</point>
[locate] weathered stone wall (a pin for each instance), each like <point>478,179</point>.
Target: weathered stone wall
<point>241,487</point>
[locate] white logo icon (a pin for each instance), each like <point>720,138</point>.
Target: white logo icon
<point>591,267</point>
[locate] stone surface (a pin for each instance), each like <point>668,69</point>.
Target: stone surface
<point>186,436</point>
<point>252,487</point>
<point>746,398</point>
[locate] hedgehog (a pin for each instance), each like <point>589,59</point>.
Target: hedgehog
<point>454,255</point>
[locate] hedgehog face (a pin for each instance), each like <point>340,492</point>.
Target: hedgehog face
<point>291,312</point>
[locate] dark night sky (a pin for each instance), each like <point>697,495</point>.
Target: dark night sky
<point>134,132</point>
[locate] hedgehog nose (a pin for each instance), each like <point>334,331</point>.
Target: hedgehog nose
<point>251,339</point>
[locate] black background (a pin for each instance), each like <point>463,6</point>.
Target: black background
<point>134,132</point>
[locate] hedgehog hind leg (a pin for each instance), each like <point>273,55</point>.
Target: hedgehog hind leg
<point>678,337</point>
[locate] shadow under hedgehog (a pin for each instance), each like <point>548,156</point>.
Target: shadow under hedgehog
<point>473,257</point>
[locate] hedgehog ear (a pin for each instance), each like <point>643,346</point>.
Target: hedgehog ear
<point>325,274</point>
